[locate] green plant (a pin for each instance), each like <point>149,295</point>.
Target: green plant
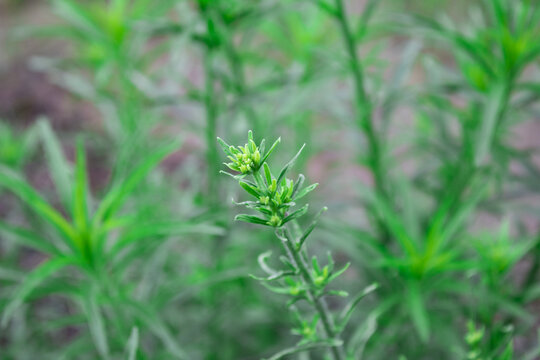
<point>15,148</point>
<point>99,241</point>
<point>275,199</point>
<point>423,137</point>
<point>477,350</point>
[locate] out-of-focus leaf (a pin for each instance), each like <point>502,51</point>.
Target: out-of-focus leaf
<point>33,280</point>
<point>58,166</point>
<point>418,311</point>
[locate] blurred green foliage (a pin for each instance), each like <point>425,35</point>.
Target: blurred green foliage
<point>416,114</point>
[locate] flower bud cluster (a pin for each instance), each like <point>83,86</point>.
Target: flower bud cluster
<point>278,201</point>
<point>248,158</point>
<point>274,196</point>
<point>245,159</point>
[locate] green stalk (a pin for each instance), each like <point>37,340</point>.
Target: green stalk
<point>297,258</point>
<point>210,103</point>
<point>237,70</point>
<point>364,111</point>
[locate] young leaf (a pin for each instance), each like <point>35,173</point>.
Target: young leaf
<point>251,219</point>
<point>296,214</point>
<point>225,147</point>
<point>310,228</point>
<point>288,165</point>
<point>305,191</point>
<point>348,310</point>
<point>270,150</point>
<point>252,190</point>
<point>267,174</point>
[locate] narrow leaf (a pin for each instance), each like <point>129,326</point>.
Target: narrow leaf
<point>288,165</point>
<point>252,190</point>
<point>96,324</point>
<point>57,163</point>
<point>418,311</point>
<point>26,193</point>
<point>270,150</point>
<point>251,219</point>
<point>296,214</point>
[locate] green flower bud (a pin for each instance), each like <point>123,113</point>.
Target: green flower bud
<point>275,220</point>
<point>256,157</point>
<point>308,332</point>
<point>319,280</point>
<point>273,186</point>
<point>264,200</point>
<point>294,291</point>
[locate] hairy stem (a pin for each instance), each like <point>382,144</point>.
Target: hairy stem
<point>297,258</point>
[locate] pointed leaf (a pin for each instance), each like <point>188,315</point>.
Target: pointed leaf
<point>58,165</point>
<point>296,214</point>
<point>251,219</point>
<point>10,180</point>
<point>252,190</point>
<point>270,150</point>
<point>310,228</point>
<point>305,191</point>
<point>288,165</point>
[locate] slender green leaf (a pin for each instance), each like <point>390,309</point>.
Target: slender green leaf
<point>58,166</point>
<point>418,311</point>
<point>96,323</point>
<point>26,193</point>
<point>251,219</point>
<point>296,214</point>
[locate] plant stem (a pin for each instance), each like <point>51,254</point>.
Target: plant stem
<point>212,157</point>
<point>319,303</point>
<point>237,70</point>
<point>364,111</point>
